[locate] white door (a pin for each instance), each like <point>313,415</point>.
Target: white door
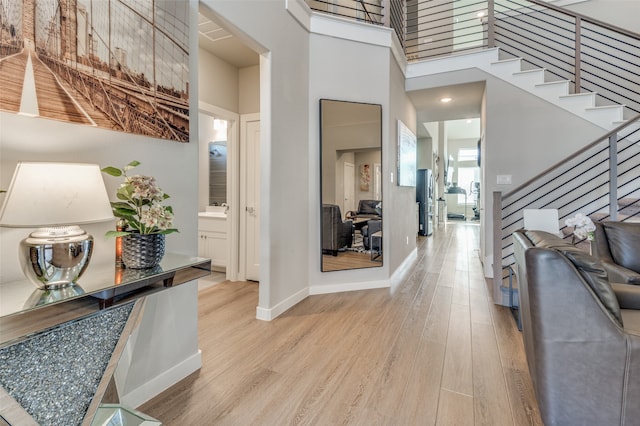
<point>250,200</point>
<point>349,202</point>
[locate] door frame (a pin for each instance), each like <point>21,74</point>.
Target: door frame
<point>241,231</point>
<point>233,176</point>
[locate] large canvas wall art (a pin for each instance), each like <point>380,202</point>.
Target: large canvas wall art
<point>407,156</point>
<point>115,64</point>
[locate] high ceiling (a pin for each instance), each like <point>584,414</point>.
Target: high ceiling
<point>220,43</point>
<point>466,98</point>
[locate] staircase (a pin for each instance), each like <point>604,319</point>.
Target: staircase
<point>533,81</point>
<point>557,92</point>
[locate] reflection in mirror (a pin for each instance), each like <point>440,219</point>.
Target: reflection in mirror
<point>218,164</point>
<point>351,185</point>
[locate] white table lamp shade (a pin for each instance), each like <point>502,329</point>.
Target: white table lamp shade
<point>55,194</point>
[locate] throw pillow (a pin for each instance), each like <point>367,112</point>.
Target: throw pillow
<point>624,243</point>
<point>595,276</point>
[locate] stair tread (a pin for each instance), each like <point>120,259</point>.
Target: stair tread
<point>579,94</point>
<point>537,70</point>
<point>605,107</point>
<point>548,83</point>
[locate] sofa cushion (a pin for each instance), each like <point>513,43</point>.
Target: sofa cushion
<point>595,276</point>
<point>624,243</point>
<point>544,239</point>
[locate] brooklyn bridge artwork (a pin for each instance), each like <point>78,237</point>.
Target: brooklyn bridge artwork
<point>115,64</point>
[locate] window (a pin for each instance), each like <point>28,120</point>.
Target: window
<point>467,154</point>
<point>466,176</point>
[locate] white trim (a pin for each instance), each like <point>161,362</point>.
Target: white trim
<point>455,62</point>
<point>301,11</point>
<point>264,288</point>
<point>339,27</point>
<point>233,199</point>
<point>404,267</point>
<point>349,29</point>
<point>164,381</point>
<point>271,313</point>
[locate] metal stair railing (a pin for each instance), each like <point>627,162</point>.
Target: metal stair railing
<point>593,55</point>
<point>602,180</point>
<point>366,11</point>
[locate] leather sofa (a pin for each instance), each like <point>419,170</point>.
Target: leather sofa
<point>617,246</point>
<point>336,233</point>
<point>581,334</point>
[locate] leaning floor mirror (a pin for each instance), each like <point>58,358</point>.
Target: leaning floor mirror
<point>351,185</point>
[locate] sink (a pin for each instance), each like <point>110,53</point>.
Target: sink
<point>221,214</point>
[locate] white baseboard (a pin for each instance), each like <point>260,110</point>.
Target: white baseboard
<point>164,381</point>
<point>265,314</point>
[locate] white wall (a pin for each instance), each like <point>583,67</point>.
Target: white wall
<point>249,90</point>
<point>342,70</point>
<point>402,224</point>
<point>218,82</point>
<point>272,31</point>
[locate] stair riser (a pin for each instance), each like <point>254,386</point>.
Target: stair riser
<point>552,92</point>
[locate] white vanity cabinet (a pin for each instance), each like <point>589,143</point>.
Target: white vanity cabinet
<point>212,240</point>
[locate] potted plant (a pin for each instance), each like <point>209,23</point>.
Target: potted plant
<point>143,218</point>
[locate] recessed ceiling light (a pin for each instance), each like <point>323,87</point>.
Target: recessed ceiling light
<point>445,100</point>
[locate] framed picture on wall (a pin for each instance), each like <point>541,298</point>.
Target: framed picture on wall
<point>117,65</point>
<point>407,156</point>
<point>365,177</point>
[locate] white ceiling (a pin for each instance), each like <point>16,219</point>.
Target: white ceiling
<point>466,103</point>
<point>220,43</point>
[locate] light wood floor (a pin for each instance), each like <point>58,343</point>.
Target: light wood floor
<point>432,350</point>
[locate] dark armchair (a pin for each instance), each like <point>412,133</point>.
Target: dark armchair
<point>617,246</point>
<point>369,229</point>
<point>336,233</point>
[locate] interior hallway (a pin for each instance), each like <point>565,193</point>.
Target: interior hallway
<point>433,350</point>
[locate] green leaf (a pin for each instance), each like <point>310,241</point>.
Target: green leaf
<point>131,165</point>
<point>167,231</point>
<point>124,212</point>
<point>112,171</point>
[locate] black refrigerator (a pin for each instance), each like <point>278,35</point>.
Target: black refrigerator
<point>424,198</point>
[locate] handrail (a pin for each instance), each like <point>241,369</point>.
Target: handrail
<point>572,156</point>
<point>585,18</point>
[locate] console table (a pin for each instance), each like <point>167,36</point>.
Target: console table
<point>108,298</point>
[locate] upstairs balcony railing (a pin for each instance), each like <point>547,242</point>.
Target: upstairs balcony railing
<point>593,55</point>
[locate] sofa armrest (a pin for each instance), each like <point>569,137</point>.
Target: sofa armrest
<point>620,274</point>
<point>628,295</point>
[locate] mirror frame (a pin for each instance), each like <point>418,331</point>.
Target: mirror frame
<point>370,261</point>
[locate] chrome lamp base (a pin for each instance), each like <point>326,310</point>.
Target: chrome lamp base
<point>54,258</point>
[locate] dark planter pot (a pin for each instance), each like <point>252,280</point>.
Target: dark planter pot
<point>142,251</point>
